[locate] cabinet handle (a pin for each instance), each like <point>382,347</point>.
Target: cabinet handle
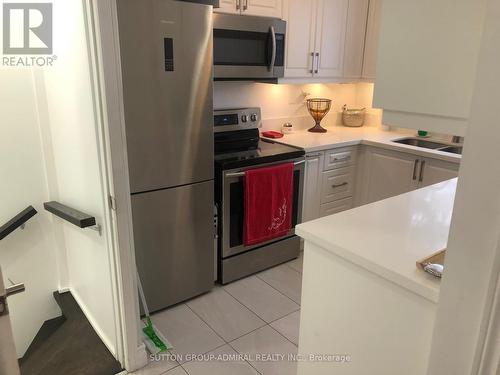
<point>340,185</point>
<point>342,159</point>
<point>317,63</point>
<point>422,166</point>
<point>313,155</point>
<point>312,63</point>
<point>238,2</point>
<point>415,169</point>
<point>245,5</point>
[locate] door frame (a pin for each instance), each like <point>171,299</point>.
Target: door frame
<point>468,317</point>
<point>104,54</point>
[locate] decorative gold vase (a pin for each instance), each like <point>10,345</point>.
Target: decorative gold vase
<point>318,108</point>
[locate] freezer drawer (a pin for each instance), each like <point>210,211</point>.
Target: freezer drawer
<point>173,235</point>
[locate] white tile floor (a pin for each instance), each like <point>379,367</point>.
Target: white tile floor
<point>235,328</point>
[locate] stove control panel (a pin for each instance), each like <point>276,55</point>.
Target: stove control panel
<point>237,119</point>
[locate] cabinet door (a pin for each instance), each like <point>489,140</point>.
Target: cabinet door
<point>229,6</point>
<point>300,16</point>
<point>266,8</point>
<point>336,207</point>
<point>331,19</point>
<point>355,38</point>
<point>427,62</point>
<point>388,173</point>
<point>312,187</point>
<point>337,184</point>
<point>371,40</point>
<point>434,171</point>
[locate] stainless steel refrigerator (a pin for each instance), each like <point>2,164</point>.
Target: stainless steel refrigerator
<point>166,61</point>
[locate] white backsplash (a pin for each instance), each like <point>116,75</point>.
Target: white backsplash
<point>286,102</point>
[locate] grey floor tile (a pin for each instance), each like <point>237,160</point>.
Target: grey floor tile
<point>157,366</point>
<point>261,298</point>
<point>186,332</point>
<point>220,362</point>
<point>228,317</point>
<point>285,279</point>
<point>297,264</point>
<point>289,326</point>
<point>266,341</point>
<point>176,371</point>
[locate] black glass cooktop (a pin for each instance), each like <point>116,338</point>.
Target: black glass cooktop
<point>265,151</point>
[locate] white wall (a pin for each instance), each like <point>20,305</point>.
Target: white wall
<point>29,255</point>
<point>75,169</point>
<point>286,102</point>
<point>50,150</point>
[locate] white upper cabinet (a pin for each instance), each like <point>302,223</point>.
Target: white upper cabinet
<point>228,6</point>
<point>315,37</point>
<point>331,20</point>
<point>427,61</point>
<point>266,8</point>
<point>301,28</point>
<point>355,38</point>
<point>372,39</point>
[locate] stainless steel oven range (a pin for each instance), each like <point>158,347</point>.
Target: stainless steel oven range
<point>238,150</point>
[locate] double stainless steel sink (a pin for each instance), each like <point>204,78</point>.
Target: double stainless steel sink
<point>433,145</point>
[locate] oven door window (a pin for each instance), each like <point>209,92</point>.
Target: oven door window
<point>246,48</point>
<point>237,209</point>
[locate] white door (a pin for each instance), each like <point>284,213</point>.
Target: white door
<point>229,6</point>
<point>355,38</point>
<point>388,173</point>
<point>434,171</point>
<point>300,16</point>
<point>331,22</point>
<point>312,187</point>
<point>371,40</point>
<point>8,356</point>
<point>266,8</point>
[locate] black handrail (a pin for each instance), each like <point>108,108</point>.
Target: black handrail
<point>78,218</point>
<point>17,221</point>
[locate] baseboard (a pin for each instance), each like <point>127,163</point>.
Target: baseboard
<point>107,342</point>
<point>141,357</point>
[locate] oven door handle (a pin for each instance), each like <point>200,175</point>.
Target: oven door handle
<point>273,52</point>
<point>242,174</point>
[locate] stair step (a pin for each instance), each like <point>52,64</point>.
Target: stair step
<point>48,328</point>
<point>72,349</point>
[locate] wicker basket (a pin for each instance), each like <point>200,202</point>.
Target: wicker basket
<point>353,117</point>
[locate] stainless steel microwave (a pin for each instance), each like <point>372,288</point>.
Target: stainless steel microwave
<point>248,47</point>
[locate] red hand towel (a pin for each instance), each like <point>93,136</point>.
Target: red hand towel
<point>268,203</point>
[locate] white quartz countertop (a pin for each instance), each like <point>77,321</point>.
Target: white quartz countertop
<point>389,236</point>
<point>341,136</point>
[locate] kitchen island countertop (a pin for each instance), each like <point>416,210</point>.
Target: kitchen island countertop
<point>389,236</point>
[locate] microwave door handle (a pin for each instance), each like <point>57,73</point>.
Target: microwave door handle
<point>273,55</point>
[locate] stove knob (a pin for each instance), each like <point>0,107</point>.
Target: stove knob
<point>253,117</point>
<point>244,118</point>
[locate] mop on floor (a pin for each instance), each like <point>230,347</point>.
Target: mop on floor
<point>152,337</point>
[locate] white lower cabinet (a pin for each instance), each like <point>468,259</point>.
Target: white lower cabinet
<point>312,188</point>
<point>329,182</point>
<point>434,171</point>
<point>335,207</point>
<point>342,178</point>
<point>386,173</point>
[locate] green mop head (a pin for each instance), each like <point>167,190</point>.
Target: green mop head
<point>154,340</point>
